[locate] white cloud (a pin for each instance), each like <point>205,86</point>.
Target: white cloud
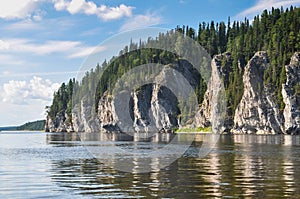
<point>73,49</point>
<point>22,25</point>
<point>84,52</point>
<point>7,74</point>
<point>4,45</point>
<point>14,92</point>
<point>42,89</point>
<point>29,9</point>
<point>141,21</point>
<point>265,4</point>
<point>109,13</point>
<point>25,45</point>
<point>19,9</point>
<point>23,92</point>
<point>90,8</point>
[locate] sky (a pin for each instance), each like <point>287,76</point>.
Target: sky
<point>45,42</point>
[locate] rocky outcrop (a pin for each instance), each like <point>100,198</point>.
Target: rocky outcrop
<point>106,114</point>
<point>151,108</point>
<point>221,66</point>
<point>84,118</point>
<point>257,112</point>
<point>155,106</point>
<point>61,123</point>
<point>291,96</point>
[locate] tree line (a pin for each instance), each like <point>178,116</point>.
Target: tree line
<point>275,31</point>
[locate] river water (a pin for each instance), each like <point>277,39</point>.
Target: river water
<point>60,165</point>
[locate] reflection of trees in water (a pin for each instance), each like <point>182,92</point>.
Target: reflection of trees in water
<point>67,138</point>
<point>89,176</point>
<point>248,166</point>
<point>63,139</point>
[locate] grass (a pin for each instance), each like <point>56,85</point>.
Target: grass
<point>193,130</point>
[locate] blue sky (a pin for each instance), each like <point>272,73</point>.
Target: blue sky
<point>44,42</point>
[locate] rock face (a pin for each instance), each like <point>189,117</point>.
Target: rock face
<point>215,89</point>
<point>153,107</point>
<point>106,114</point>
<point>291,96</point>
<point>84,118</point>
<point>256,113</point>
<point>156,106</point>
<point>61,123</point>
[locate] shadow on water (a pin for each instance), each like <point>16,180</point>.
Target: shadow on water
<point>238,166</point>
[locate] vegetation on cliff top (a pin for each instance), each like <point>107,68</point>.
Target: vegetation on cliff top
<point>275,31</point>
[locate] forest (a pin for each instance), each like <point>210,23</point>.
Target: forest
<point>32,126</point>
<point>29,126</point>
<point>275,31</point>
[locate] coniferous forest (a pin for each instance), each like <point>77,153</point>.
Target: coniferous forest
<point>275,31</point>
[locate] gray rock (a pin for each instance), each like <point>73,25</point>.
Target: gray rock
<point>106,114</point>
<point>150,108</point>
<point>209,113</point>
<point>155,107</point>
<point>257,113</point>
<point>291,99</point>
<point>59,124</point>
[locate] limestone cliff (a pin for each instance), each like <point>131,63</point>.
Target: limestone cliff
<point>291,96</point>
<point>257,112</point>
<point>152,107</point>
<point>84,118</point>
<point>221,66</point>
<point>155,106</point>
<point>61,123</point>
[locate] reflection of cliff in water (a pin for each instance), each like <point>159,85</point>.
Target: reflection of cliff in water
<point>241,165</point>
<point>53,138</point>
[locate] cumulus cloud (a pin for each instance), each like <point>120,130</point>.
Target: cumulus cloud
<point>14,92</point>
<point>90,8</point>
<point>141,21</point>
<point>19,9</point>
<point>261,5</point>
<point>23,92</point>
<point>22,9</point>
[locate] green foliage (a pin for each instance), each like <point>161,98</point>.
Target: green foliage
<point>62,100</point>
<point>194,130</point>
<point>297,90</point>
<point>276,32</point>
<point>143,53</point>
<point>38,125</point>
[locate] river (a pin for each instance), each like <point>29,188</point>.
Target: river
<point>60,165</point>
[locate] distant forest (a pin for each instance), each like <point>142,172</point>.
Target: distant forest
<point>275,31</point>
<point>38,125</point>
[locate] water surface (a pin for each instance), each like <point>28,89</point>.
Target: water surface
<point>58,165</point>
